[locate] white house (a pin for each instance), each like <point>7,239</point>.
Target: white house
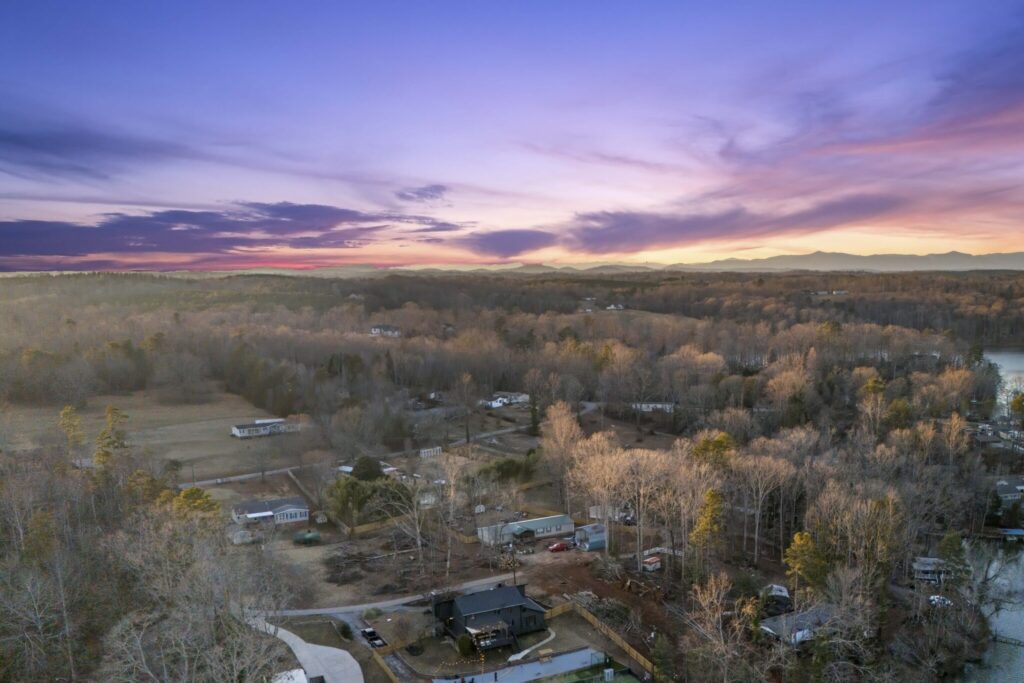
<point>268,427</point>
<point>505,398</point>
<point>280,511</point>
<point>513,398</point>
<point>654,407</point>
<point>497,402</point>
<point>526,529</point>
<point>382,330</point>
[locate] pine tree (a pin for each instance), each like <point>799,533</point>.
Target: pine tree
<point>707,530</point>
<point>663,656</point>
<point>71,424</point>
<point>194,500</point>
<point>805,560</point>
<point>112,439</point>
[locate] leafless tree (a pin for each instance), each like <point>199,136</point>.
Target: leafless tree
<point>559,437</point>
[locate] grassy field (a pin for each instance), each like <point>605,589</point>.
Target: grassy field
<point>198,436</point>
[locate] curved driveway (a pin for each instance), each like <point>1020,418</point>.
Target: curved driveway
<point>336,666</point>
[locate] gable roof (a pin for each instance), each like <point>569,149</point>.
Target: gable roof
<point>269,507</point>
<point>539,523</point>
<point>795,626</point>
<point>1009,486</point>
<point>495,599</point>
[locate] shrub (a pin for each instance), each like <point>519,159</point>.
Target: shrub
<point>465,645</point>
<point>345,630</point>
<point>372,613</point>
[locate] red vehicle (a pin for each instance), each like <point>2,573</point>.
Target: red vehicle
<point>558,547</point>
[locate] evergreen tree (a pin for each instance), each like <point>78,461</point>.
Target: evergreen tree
<point>112,439</point>
<point>806,561</point>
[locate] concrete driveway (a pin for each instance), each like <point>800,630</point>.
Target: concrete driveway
<point>336,666</point>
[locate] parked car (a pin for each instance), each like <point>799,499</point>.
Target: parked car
<point>372,638</point>
<point>939,601</point>
<point>561,546</point>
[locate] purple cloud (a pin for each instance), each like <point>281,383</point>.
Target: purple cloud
<point>625,231</point>
<point>507,243</point>
<point>32,150</point>
<point>300,226</point>
<point>426,193</point>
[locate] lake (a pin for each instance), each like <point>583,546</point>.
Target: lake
<point>1005,662</point>
<point>1011,367</point>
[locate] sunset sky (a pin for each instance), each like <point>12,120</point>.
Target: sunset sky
<point>216,135</point>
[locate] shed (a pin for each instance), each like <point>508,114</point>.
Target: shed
<point>591,537</point>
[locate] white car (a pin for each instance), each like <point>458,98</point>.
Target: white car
<point>939,601</point>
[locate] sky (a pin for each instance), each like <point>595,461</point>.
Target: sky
<point>233,135</point>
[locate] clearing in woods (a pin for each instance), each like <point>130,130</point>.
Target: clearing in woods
<point>197,435</point>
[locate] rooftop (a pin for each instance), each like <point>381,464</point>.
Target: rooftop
<point>790,626</point>
<point>495,599</point>
<point>269,507</point>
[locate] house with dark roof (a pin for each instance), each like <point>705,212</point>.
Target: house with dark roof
<point>492,618</point>
<point>797,627</point>
<point>280,511</point>
<point>1010,490</point>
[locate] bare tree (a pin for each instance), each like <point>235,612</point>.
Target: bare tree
<point>760,476</point>
<point>559,437</point>
<point>596,473</point>
<point>465,395</point>
<point>645,473</point>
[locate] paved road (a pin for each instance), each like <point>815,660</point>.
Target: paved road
<point>336,666</point>
<point>467,587</point>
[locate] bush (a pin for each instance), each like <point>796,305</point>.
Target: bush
<point>345,630</point>
<point>372,613</point>
<point>465,645</point>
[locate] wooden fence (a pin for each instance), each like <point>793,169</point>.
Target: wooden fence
<point>609,633</point>
<point>384,667</point>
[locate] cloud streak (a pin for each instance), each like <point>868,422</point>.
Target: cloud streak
<point>423,194</point>
<point>242,227</point>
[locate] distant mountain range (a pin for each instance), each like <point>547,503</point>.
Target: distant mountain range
<point>821,260</point>
<point>818,261</point>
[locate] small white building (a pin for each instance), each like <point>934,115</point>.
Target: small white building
<point>498,402</point>
<point>513,398</point>
<point>430,452</point>
<point>267,427</point>
<point>382,330</point>
<point>501,399</point>
<point>667,408</point>
<point>280,511</point>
